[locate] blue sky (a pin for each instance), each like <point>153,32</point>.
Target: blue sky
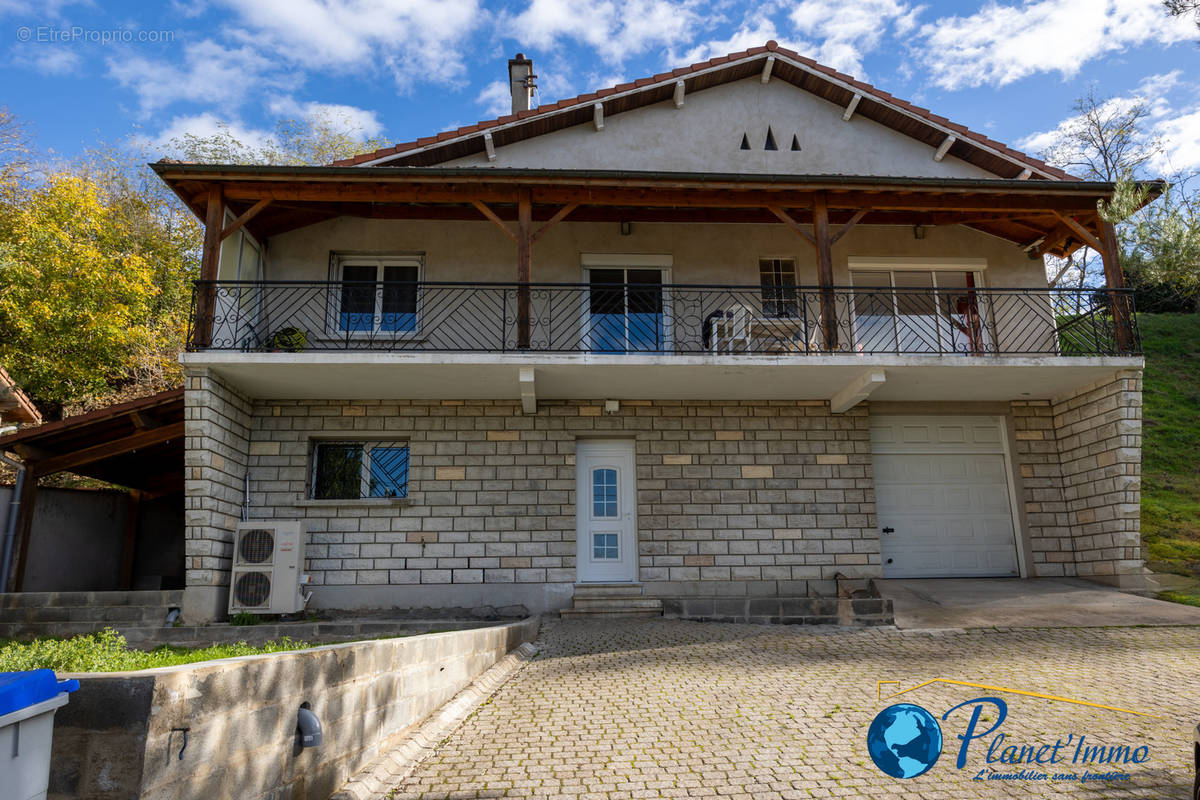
<point>83,72</point>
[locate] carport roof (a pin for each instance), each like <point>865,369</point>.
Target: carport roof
<point>137,444</point>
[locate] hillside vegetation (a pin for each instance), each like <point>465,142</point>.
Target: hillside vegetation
<point>1171,442</point>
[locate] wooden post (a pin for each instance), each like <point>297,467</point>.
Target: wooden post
<point>24,527</point>
<point>129,548</point>
<point>210,259</point>
<point>1114,278</point>
<point>829,328</point>
<point>524,264</point>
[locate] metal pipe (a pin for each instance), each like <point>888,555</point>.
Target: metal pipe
<point>10,527</point>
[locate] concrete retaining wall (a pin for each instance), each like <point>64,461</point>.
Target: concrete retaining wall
<point>119,736</point>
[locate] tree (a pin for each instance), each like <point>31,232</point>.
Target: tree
<point>314,140</point>
<point>1104,141</point>
<point>77,292</point>
<point>1178,8</point>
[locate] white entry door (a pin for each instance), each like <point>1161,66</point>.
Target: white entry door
<point>942,497</point>
<point>606,511</point>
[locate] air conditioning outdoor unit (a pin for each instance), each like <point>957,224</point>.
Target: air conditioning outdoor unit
<point>268,559</point>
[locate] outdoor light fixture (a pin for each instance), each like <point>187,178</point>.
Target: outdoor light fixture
<point>918,231</point>
<point>626,228</point>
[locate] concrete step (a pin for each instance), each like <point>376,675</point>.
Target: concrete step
<point>617,603</point>
<point>593,613</point>
<point>155,599</point>
<point>54,614</point>
<point>598,590</point>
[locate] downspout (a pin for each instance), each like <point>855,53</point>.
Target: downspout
<point>10,527</point>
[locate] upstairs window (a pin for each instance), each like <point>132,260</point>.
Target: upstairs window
<point>359,470</point>
<point>378,294</point>
<point>778,279</point>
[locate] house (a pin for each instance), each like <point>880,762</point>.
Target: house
<point>734,337</point>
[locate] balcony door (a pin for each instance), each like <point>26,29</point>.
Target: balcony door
<point>377,295</point>
<point>913,310</point>
<point>625,310</point>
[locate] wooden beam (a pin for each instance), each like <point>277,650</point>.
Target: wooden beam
<point>210,260</point>
<point>24,529</point>
<point>524,264</point>
<point>854,220</point>
<point>851,107</point>
<point>598,116</point>
<point>248,215</point>
<point>1086,236</point>
<point>489,147</point>
<point>106,450</point>
<point>1025,174</point>
<point>829,328</point>
<point>944,147</point>
<point>856,391</point>
<point>768,65</point>
<point>129,546</point>
<point>1114,278</point>
<point>559,216</point>
<point>677,97</point>
<point>143,420</point>
<point>791,223</point>
<point>487,212</point>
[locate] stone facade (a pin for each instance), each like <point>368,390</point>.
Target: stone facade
<point>737,501</point>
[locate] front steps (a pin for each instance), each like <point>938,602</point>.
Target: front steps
<point>599,600</point>
<point>26,615</point>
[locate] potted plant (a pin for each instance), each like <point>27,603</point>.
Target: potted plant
<point>287,340</point>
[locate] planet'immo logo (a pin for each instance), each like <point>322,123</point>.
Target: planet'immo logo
<point>904,740</point>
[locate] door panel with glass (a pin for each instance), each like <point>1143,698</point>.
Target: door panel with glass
<point>918,311</point>
<point>625,311</point>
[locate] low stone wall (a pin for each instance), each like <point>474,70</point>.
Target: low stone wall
<point>120,736</point>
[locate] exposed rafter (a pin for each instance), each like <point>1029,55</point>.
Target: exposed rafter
<point>489,147</point>
<point>678,95</point>
<point>598,116</point>
<point>768,65</point>
<point>944,147</point>
<point>851,107</point>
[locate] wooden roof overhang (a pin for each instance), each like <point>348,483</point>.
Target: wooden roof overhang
<point>1043,216</point>
<point>138,444</point>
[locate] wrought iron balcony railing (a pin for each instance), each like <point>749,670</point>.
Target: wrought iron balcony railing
<point>620,318</point>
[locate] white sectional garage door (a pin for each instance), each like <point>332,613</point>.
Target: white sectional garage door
<point>942,497</point>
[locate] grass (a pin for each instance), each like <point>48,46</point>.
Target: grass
<point>1187,598</point>
<point>107,651</point>
<point>1171,443</point>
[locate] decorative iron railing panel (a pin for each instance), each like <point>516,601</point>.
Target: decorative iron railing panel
<point>659,319</point>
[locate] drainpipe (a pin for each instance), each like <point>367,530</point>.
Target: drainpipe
<point>10,527</point>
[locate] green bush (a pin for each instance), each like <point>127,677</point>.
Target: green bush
<point>107,651</point>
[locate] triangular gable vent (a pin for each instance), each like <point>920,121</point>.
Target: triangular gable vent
<point>770,145</point>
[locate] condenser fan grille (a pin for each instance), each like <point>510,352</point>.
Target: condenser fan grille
<point>252,589</point>
<point>256,546</point>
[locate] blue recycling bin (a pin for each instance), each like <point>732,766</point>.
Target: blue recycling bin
<point>28,701</point>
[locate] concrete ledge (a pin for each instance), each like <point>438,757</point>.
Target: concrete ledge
<point>121,735</point>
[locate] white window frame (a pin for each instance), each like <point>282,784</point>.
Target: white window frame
<point>892,265</point>
<point>379,261</point>
<point>627,261</point>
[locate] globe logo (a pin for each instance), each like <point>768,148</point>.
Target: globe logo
<point>904,740</point>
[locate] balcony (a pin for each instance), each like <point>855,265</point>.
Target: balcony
<point>607,320</point>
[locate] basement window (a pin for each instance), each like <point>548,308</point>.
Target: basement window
<point>359,470</point>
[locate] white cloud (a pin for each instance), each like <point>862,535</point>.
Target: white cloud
<point>848,30</point>
<point>413,40</point>
<point>751,33</point>
<point>47,60</point>
<point>615,29</point>
<point>207,73</point>
<point>496,99</point>
<point>1171,119</point>
<point>1002,43</point>
<point>205,125</point>
<point>348,118</point>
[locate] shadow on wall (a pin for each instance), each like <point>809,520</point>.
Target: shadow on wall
<point>78,541</point>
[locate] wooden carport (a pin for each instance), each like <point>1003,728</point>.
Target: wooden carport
<point>138,445</point>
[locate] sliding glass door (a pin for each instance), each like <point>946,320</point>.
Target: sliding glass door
<point>625,311</point>
<point>918,311</point>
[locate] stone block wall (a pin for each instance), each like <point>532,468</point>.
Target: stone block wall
<point>1037,461</point>
<point>120,737</point>
<point>735,499</point>
<point>217,433</point>
<point>1099,430</point>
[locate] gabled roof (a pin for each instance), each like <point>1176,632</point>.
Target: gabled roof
<point>836,87</point>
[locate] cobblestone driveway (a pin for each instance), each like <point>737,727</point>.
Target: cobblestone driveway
<point>661,708</point>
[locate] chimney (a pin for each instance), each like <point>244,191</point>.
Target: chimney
<point>521,82</point>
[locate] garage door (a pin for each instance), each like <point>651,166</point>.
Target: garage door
<point>942,497</point>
